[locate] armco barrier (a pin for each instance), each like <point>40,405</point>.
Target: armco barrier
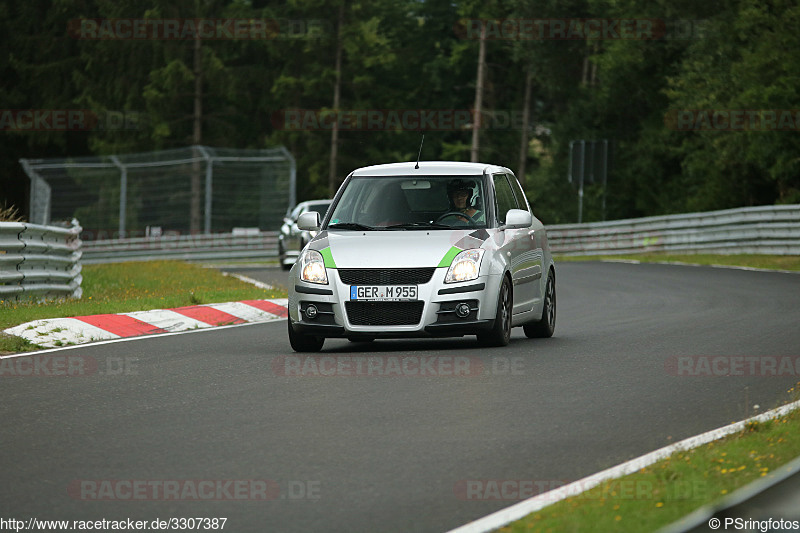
<point>233,246</point>
<point>767,229</point>
<point>39,261</point>
<point>748,230</point>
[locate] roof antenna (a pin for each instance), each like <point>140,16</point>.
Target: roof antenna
<point>416,167</point>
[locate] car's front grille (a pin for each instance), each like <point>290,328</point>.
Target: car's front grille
<point>384,313</point>
<point>385,276</point>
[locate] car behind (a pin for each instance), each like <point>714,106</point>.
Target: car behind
<point>292,239</point>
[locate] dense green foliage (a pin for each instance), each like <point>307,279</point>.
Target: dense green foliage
<point>413,54</point>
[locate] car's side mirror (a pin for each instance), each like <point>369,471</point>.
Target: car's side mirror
<point>518,218</point>
<point>308,221</point>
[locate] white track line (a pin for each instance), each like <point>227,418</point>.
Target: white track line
<point>522,509</point>
<point>259,284</point>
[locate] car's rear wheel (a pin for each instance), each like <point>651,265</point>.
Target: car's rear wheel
<point>304,343</point>
<point>500,334</point>
<point>547,325</point>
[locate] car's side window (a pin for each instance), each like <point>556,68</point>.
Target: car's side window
<point>521,204</point>
<point>504,197</point>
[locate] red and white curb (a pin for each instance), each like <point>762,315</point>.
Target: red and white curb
<point>52,332</point>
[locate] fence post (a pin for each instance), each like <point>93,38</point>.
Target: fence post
<point>292,177</point>
<point>209,187</point>
<point>123,194</point>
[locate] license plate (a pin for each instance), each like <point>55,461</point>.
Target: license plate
<point>383,293</point>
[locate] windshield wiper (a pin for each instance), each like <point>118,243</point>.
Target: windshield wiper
<point>418,225</point>
<point>352,225</point>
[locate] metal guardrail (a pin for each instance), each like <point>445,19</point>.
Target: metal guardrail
<point>39,261</point>
<point>751,230</point>
<point>261,245</point>
<point>50,261</point>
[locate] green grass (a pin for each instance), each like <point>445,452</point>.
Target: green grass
<point>769,262</point>
<point>668,490</point>
<point>134,286</point>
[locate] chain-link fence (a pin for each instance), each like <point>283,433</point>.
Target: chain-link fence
<point>190,190</point>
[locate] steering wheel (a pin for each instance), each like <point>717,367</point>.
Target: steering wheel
<point>459,214</point>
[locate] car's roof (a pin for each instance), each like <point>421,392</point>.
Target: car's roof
<point>429,168</point>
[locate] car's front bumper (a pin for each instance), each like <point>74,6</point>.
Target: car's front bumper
<point>436,299</point>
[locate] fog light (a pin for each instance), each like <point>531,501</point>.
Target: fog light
<point>462,310</point>
<point>311,312</point>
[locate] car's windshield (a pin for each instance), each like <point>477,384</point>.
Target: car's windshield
<point>411,202</point>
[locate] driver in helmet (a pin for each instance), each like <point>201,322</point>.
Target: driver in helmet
<point>461,195</point>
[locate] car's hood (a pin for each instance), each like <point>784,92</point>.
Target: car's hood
<point>396,249</point>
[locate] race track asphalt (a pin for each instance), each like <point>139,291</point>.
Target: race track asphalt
<point>393,453</point>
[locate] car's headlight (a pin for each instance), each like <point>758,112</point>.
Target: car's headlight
<point>465,266</point>
<point>312,267</point>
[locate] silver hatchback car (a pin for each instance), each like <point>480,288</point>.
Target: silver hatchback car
<point>438,249</point>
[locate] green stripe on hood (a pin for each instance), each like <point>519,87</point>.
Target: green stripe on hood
<point>449,256</point>
<point>327,257</point>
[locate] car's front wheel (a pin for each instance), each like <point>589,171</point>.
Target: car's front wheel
<point>500,334</point>
<point>304,343</point>
<point>547,325</point>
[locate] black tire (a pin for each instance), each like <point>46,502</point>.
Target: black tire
<point>304,343</point>
<point>500,334</point>
<point>546,326</point>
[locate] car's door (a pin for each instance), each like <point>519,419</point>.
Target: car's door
<point>518,246</point>
<point>533,262</point>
